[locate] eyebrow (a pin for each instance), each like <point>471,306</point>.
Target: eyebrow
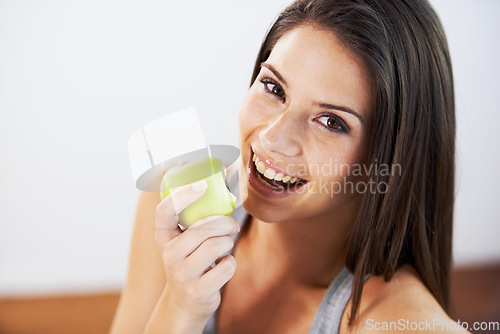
<point>321,105</point>
<point>275,72</point>
<point>339,108</point>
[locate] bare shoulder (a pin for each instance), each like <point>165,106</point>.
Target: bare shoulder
<point>146,277</point>
<point>402,305</point>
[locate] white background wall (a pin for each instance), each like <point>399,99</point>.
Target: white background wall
<point>78,77</point>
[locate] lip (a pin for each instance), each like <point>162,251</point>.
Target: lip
<point>262,189</point>
<point>269,163</point>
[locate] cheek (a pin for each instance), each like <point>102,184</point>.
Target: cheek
<point>244,114</point>
<point>344,154</point>
<point>253,112</point>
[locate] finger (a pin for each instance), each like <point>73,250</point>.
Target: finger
<point>213,264</point>
<point>208,268</point>
<point>168,209</point>
<point>166,166</point>
<point>220,274</point>
<point>207,253</point>
<point>191,239</point>
<point>199,222</point>
<point>206,220</point>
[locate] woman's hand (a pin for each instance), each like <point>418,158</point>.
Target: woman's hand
<point>192,284</point>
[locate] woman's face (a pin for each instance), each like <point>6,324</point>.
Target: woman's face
<point>306,116</point>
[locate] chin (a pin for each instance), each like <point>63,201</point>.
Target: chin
<point>265,210</point>
<point>255,209</point>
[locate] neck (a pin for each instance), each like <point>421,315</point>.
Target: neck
<point>305,252</point>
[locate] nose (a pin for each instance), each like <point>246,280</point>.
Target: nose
<point>282,136</point>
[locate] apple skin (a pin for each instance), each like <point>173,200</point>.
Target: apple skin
<point>217,199</point>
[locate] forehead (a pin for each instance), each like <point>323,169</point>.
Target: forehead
<point>315,62</point>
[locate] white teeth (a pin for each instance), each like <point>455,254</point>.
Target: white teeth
<point>260,167</point>
<point>270,173</point>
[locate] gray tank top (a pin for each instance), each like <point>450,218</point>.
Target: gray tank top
<point>327,319</point>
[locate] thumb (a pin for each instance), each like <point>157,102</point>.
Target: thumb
<point>168,210</point>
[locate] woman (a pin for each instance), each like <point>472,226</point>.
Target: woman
<point>347,175</point>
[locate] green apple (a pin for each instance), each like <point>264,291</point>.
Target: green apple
<point>217,199</point>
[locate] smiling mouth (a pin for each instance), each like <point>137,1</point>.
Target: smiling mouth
<point>274,180</point>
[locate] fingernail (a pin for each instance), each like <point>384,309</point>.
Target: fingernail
<point>200,185</point>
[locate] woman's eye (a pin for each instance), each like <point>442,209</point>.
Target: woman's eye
<point>273,88</point>
<point>333,123</point>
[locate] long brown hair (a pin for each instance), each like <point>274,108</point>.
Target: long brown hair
<point>404,49</point>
